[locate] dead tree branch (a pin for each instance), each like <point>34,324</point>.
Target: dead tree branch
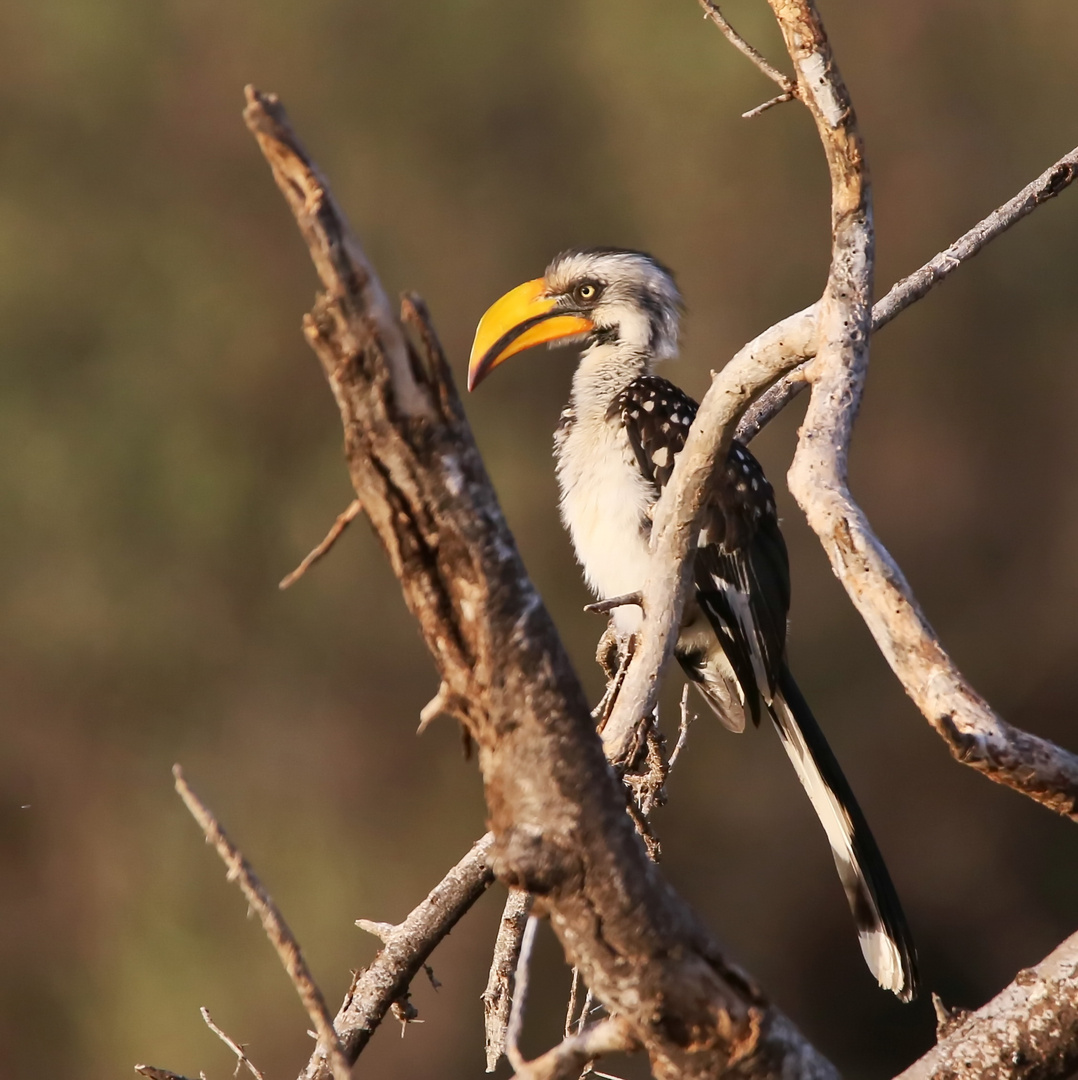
<point>498,995</point>
<point>557,810</point>
<point>344,519</point>
<point>1055,179</point>
<point>242,1060</point>
<point>1029,1031</point>
<point>974,734</point>
<point>404,952</point>
<point>787,85</point>
<point>276,929</point>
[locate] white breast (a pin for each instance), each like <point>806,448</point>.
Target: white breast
<point>604,504</point>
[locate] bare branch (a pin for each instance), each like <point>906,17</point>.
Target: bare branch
<point>405,951</point>
<point>974,733</point>
<point>1047,186</point>
<point>682,731</point>
<point>343,521</point>
<point>789,87</point>
<point>280,936</point>
<point>520,995</point>
<point>574,1053</point>
<point>341,261</point>
<point>241,1055</point>
<point>1029,1031</point>
<point>913,287</point>
<point>498,996</point>
<point>779,99</point>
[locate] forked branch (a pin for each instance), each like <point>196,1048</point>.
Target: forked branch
<point>836,331</point>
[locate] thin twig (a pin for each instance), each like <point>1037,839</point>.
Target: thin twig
<point>241,1055</point>
<point>682,731</point>
<point>585,1011</point>
<point>280,936</point>
<point>789,87</point>
<point>498,996</point>
<point>343,521</point>
<point>570,1008</point>
<point>911,288</point>
<point>780,99</point>
<point>520,995</point>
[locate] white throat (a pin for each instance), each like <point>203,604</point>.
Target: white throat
<point>605,499</point>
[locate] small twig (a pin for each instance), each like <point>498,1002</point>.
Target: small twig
<point>683,730</point>
<point>586,1010</point>
<point>601,607</point>
<point>381,930</point>
<point>498,996</point>
<point>574,1053</point>
<point>769,104</point>
<point>343,521</point>
<point>242,1058</point>
<point>570,1009</point>
<point>520,996</point>
<point>386,932</point>
<point>280,936</point>
<point>789,87</point>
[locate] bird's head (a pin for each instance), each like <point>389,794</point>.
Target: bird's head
<point>623,298</point>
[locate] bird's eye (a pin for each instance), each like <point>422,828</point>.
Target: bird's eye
<point>587,292</point>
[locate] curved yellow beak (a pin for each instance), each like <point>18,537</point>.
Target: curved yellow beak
<point>522,318</point>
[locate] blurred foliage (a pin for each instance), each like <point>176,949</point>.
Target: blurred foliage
<point>168,450</point>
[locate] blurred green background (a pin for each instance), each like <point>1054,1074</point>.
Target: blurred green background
<point>168,450</point>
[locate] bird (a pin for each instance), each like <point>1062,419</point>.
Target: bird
<point>614,448</point>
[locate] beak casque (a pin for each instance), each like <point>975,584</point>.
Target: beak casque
<point>524,317</point>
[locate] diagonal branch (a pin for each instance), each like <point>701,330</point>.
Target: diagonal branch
<point>1055,179</point>
<point>404,952</point>
<point>1029,1031</point>
<point>974,734</point>
<point>280,936</point>
<point>788,86</point>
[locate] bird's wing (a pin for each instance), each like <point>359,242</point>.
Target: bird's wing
<point>742,571</point>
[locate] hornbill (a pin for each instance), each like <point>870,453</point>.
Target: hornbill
<point>615,447</point>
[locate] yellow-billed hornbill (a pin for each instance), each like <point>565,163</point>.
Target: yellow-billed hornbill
<point>615,447</point>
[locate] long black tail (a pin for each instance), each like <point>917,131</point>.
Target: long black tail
<point>881,926</point>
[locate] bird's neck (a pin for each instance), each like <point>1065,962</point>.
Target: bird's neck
<point>605,369</point>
